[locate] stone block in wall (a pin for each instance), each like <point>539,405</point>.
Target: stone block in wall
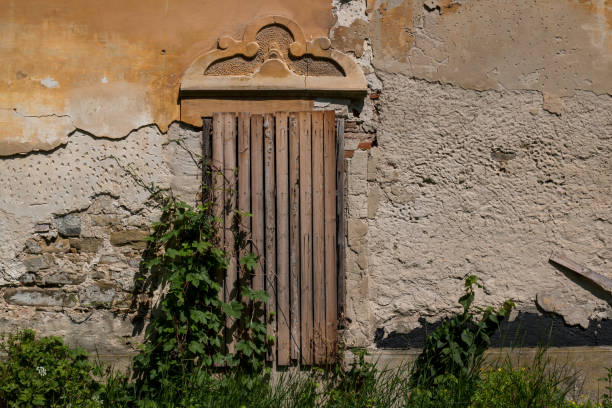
<point>123,300</point>
<point>357,173</point>
<point>133,238</point>
<point>107,259</point>
<point>32,246</point>
<point>357,231</point>
<point>60,278</point>
<point>373,164</point>
<point>42,227</point>
<point>99,295</point>
<point>69,225</point>
<point>38,262</point>
<point>27,279</point>
<point>58,246</point>
<point>104,220</point>
<point>39,297</point>
<point>373,200</point>
<point>88,244</point>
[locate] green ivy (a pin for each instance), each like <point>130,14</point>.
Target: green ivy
<point>189,329</point>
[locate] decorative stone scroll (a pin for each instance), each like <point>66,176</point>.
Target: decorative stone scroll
<point>274,58</point>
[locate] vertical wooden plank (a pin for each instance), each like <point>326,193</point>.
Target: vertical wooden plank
<point>244,183</point>
<point>282,238</point>
<point>229,155</point>
<point>294,233</point>
<point>218,193</point>
<point>331,279</point>
<point>257,188</point>
<point>340,230</point>
<point>207,132</point>
<point>318,236</point>
<point>270,222</point>
<point>218,183</point>
<point>306,237</point>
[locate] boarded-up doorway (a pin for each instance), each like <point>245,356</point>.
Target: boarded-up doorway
<point>287,170</point>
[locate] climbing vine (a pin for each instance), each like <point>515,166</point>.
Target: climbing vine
<point>192,327</point>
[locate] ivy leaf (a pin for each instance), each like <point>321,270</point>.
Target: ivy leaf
<point>196,347</point>
<point>249,261</point>
<point>233,309</point>
<point>199,316</point>
<point>244,347</point>
<point>172,253</point>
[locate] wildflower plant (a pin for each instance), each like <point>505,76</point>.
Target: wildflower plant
<point>45,372</point>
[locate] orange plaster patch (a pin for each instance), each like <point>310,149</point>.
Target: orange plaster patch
<point>396,29</point>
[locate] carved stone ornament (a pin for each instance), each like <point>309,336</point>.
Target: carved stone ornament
<point>274,58</point>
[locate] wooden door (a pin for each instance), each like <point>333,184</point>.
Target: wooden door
<point>286,169</point>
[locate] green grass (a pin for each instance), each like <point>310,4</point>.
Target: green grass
<point>541,383</point>
<point>44,372</point>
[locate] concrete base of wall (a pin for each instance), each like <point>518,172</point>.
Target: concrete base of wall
<point>589,363</point>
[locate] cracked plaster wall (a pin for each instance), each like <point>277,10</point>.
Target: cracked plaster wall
<point>72,223</point>
<point>489,147</point>
<point>476,182</point>
<point>483,144</point>
<point>110,67</point>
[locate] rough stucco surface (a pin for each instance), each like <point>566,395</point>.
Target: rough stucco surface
<point>491,133</point>
<point>486,183</point>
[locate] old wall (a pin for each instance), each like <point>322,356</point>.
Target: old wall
<point>72,225</point>
<point>110,67</point>
<point>483,145</point>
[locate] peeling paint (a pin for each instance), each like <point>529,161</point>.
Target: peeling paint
<point>393,27</point>
<point>352,38</point>
<point>553,46</point>
<point>73,44</point>
<point>49,83</point>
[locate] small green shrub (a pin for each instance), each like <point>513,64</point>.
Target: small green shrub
<point>528,387</point>
<point>505,387</point>
<point>45,372</point>
<point>457,345</point>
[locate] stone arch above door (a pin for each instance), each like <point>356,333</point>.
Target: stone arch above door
<point>273,62</point>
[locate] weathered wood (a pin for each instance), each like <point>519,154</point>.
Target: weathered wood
<point>340,230</point>
<point>229,155</point>
<point>257,188</point>
<point>244,190</point>
<point>306,326</point>
<point>331,278</point>
<point>282,239</point>
<point>229,172</point>
<point>291,177</point>
<point>270,223</point>
<point>598,279</point>
<point>207,134</point>
<point>218,184</point>
<point>294,233</point>
<point>318,237</point>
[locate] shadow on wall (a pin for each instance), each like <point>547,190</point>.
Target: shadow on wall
<point>529,329</point>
